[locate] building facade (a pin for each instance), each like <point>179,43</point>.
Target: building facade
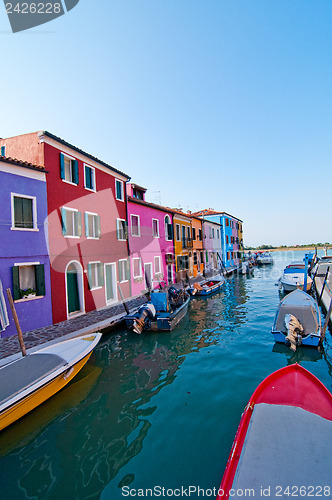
<point>24,259</point>
<point>87,214</point>
<point>150,239</point>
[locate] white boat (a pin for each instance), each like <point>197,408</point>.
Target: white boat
<point>305,310</point>
<point>264,258</point>
<point>294,277</point>
<point>30,380</point>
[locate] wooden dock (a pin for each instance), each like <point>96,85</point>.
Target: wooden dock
<point>323,285</point>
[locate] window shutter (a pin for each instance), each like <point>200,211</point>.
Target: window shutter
<point>63,221</point>
<point>101,274</point>
<point>89,276</point>
<point>86,221</point>
<point>118,229</point>
<point>78,217</point>
<point>16,283</point>
<point>62,166</point>
<point>40,279</point>
<point>75,171</point>
<point>98,226</point>
<point>120,270</point>
<point>127,270</point>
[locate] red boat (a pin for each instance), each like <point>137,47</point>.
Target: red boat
<point>282,447</point>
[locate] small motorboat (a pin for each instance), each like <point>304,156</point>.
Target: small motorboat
<point>206,287</point>
<point>297,320</point>
<point>32,379</point>
<point>283,443</point>
<point>264,258</point>
<point>162,313</point>
<point>294,276</point>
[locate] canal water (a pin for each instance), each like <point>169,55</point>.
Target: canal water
<point>158,410</point>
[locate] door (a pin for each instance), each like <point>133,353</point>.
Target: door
<point>73,297</point>
<point>110,282</point>
<point>169,274</point>
<point>148,275</point>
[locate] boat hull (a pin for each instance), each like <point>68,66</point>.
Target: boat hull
<point>291,400</point>
<point>25,398</point>
<point>208,290</point>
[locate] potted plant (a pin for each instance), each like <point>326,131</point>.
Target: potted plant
<point>28,292</point>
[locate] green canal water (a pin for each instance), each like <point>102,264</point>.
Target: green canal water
<point>158,410</point>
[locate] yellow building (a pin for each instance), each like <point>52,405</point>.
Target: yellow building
<point>183,246</point>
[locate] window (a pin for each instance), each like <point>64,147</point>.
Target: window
<point>193,234</point>
<point>89,178</point>
<point>68,169</point>
<point>218,236</point>
<point>123,270</point>
<point>155,228</point>
<point>137,267</point>
<point>92,225</point>
<point>177,229</point>
<point>227,222</point>
<point>213,232</point>
<point>168,228</point>
<point>119,190</point>
<point>24,212</point>
<point>3,150</point>
<point>210,232</point>
<point>195,259</point>
<point>227,241</point>
<point>121,229</point>
<point>200,235</point>
<point>135,225</point>
<point>202,257</point>
<point>28,279</point>
<point>228,256</point>
<point>188,233</point>
<point>183,262</point>
<point>95,275</point>
<point>157,265</point>
<point>71,222</point>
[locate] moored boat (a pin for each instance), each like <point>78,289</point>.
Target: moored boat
<point>206,287</point>
<point>163,313</point>
<point>294,276</point>
<point>282,445</point>
<point>305,329</point>
<point>30,380</point>
<point>264,258</point>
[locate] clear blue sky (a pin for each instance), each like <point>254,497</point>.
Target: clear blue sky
<point>207,103</point>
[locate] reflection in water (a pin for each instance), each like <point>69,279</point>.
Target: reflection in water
<point>146,404</point>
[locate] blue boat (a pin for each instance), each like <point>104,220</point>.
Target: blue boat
<point>162,313</point>
<point>297,321</point>
<point>207,287</point>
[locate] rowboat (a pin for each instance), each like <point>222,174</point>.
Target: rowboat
<point>294,276</point>
<point>30,380</point>
<point>163,312</point>
<point>282,446</point>
<point>264,258</point>
<point>305,310</point>
<point>206,287</point>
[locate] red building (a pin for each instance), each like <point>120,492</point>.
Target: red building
<point>87,226</point>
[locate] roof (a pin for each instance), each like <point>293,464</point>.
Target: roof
<point>78,150</point>
<point>210,211</point>
<point>152,205</point>
<point>21,163</point>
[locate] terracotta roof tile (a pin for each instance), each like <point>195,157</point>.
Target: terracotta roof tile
<point>21,163</point>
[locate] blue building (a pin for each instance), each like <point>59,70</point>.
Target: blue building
<point>24,256</point>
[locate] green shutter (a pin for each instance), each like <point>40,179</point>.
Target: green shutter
<point>63,221</point>
<point>127,270</point>
<point>98,228</point>
<point>16,283</point>
<point>89,276</point>
<point>78,220</point>
<point>101,274</point>
<point>75,171</point>
<point>62,166</point>
<point>86,221</point>
<point>40,279</point>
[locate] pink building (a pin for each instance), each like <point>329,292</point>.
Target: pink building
<point>150,239</point>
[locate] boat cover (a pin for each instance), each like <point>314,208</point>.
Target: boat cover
<point>284,446</point>
<point>23,373</point>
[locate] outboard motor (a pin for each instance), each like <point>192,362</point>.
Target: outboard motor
<point>147,312</point>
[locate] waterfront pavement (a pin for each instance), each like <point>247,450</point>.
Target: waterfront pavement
<point>82,324</point>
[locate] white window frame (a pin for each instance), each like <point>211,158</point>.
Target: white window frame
<point>177,232</point>
<point>140,267</point>
<point>138,226</point>
<point>123,270</point>
<point>167,221</point>
<point>122,190</point>
<point>96,274</point>
<point>94,226</point>
<point>118,227</point>
<point>158,232</point>
<point>71,158</point>
<point>158,259</point>
<point>34,212</point>
<point>94,189</point>
<point>68,209</point>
